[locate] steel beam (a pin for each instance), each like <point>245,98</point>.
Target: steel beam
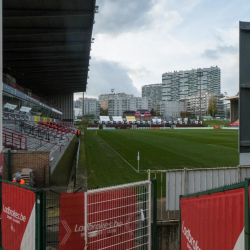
<point>24,14</point>
<point>57,75</point>
<point>34,32</point>
<point>8,56</point>
<point>75,62</point>
<point>29,46</point>
<point>41,71</point>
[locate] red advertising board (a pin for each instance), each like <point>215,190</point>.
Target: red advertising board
<point>137,114</point>
<point>17,218</point>
<point>2,164</point>
<point>147,114</point>
<point>214,221</point>
<point>111,220</point>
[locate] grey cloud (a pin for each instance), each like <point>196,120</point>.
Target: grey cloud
<point>118,16</point>
<point>219,51</point>
<point>107,75</point>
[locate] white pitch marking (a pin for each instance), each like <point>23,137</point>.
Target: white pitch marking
<point>221,146</point>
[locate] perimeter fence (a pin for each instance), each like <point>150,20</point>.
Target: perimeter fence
<point>117,217</point>
<point>175,182</point>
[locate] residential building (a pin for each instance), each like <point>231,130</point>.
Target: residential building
<point>153,92</point>
<point>201,101</point>
<point>179,84</point>
<point>171,109</point>
<point>78,103</point>
<point>118,105</point>
<point>187,86</point>
<point>91,107</point>
<point>104,98</point>
<point>77,113</point>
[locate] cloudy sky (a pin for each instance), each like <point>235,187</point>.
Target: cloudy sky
<point>136,41</point>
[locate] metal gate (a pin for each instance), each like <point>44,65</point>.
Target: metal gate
<point>123,220</point>
<point>117,217</point>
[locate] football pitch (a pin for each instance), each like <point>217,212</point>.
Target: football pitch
<point>112,154</point>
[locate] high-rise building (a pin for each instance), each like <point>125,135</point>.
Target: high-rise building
<point>179,84</point>
<point>195,102</point>
<point>78,103</point>
<point>192,86</point>
<point>154,92</point>
<point>117,105</point>
<point>171,109</point>
<point>104,98</point>
<point>91,107</point>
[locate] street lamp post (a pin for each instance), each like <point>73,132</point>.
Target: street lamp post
<point>199,75</point>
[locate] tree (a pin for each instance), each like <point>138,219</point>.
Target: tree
<point>212,106</point>
<point>184,114</point>
<point>103,112</point>
<point>153,113</point>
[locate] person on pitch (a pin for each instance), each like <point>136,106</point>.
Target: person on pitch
<point>18,179</point>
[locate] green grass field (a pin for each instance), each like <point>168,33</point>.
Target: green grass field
<point>159,149</point>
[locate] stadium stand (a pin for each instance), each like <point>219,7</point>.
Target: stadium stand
<point>41,136</point>
<point>104,120</point>
<point>156,121</point>
<point>235,124</point>
<point>118,120</point>
<point>130,119</point>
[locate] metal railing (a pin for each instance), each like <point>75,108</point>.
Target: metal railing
<point>77,160</point>
<point>175,182</point>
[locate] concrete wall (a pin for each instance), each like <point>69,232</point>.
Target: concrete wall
<point>38,161</point>
<point>66,102</point>
<point>167,236</point>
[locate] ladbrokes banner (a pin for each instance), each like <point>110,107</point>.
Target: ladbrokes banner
<point>18,218</point>
<point>213,221</point>
<point>111,220</point>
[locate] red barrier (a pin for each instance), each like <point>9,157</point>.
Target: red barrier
<point>18,217</point>
<point>154,127</point>
<point>111,220</point>
<point>213,221</point>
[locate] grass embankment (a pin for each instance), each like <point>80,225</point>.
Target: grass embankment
<point>63,169</point>
<point>159,149</point>
<point>216,123</point>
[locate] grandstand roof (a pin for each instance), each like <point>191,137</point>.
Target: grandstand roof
<point>230,98</point>
<point>46,44</point>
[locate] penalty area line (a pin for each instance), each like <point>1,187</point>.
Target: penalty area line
<point>221,146</point>
<point>118,154</point>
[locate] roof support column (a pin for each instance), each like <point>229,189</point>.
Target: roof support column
<point>244,97</point>
<point>82,105</point>
<point>1,76</point>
